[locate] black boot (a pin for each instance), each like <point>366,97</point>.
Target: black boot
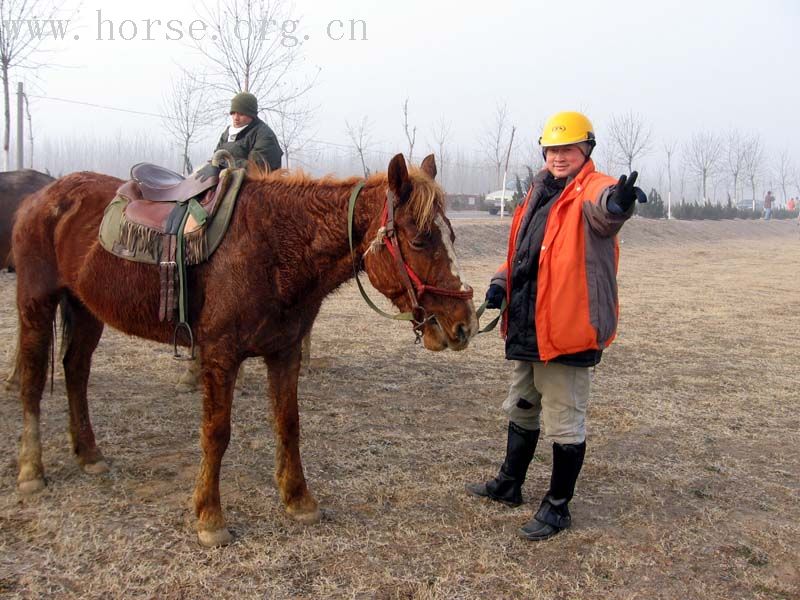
<point>507,486</point>
<point>553,514</point>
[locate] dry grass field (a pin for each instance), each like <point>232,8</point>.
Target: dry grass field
<point>691,487</point>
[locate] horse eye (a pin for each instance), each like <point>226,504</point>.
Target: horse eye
<point>420,242</point>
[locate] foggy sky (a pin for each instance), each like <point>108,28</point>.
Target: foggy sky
<point>685,66</point>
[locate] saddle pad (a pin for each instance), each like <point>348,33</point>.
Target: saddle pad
<point>139,243</point>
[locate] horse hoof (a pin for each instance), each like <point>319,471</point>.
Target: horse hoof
<point>96,468</point>
<point>214,539</point>
<point>308,518</point>
<point>31,486</point>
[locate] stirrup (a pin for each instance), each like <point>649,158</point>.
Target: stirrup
<point>176,353</point>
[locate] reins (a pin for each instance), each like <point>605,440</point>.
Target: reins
<point>414,286</point>
<point>493,323</point>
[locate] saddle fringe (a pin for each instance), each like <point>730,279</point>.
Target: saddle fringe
<point>137,238</point>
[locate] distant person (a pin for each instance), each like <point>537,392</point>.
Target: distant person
<point>560,284</point>
<point>791,205</point>
<point>768,200</point>
<point>247,138</point>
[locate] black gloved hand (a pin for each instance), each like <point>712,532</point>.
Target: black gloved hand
<point>206,172</point>
<point>624,194</point>
<point>495,296</point>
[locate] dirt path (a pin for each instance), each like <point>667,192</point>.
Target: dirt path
<point>690,487</point>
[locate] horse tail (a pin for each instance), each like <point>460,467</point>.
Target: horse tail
<point>66,336</point>
<point>67,326</point>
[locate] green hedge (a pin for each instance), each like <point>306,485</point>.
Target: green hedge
<point>689,211</point>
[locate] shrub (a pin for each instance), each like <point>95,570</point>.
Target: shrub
<point>692,211</point>
<point>653,208</point>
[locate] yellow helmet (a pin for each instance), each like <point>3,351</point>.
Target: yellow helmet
<point>566,128</point>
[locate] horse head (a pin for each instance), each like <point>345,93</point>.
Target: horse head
<point>412,260</point>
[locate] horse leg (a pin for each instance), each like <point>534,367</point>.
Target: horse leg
<point>82,333</point>
<point>190,378</point>
<point>35,336</point>
<point>305,361</point>
<point>218,376</point>
<point>12,379</point>
<point>283,373</point>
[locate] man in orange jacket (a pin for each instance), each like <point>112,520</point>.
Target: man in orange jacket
<point>559,281</point>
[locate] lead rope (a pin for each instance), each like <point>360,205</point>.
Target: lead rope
<point>493,323</point>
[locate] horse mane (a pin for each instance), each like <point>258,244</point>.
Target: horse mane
<point>426,201</point>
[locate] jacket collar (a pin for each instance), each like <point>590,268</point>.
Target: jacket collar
<point>588,169</point>
<point>249,127</point>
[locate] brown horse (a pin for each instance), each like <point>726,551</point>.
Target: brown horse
<point>14,186</point>
<point>258,295</point>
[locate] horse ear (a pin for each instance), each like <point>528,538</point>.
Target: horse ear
<point>398,177</point>
<point>429,166</point>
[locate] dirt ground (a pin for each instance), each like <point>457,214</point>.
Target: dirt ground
<point>691,487</point>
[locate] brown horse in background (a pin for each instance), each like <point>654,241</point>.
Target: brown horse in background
<point>14,186</point>
<point>258,295</point>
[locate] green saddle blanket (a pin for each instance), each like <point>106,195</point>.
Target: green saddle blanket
<point>139,243</point>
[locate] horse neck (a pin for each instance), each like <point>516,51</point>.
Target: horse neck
<point>331,237</point>
<point>325,253</point>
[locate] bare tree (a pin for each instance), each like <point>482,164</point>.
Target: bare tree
<point>25,25</point>
<point>783,171</point>
<point>606,158</point>
<point>683,182</point>
<point>630,137</point>
<point>441,132</point>
<point>796,180</point>
<point>735,159</point>
<point>670,147</point>
<point>30,131</point>
<point>411,132</point>
<point>254,48</point>
<point>359,135</point>
<point>532,157</point>
<point>753,161</point>
<point>496,140</point>
<point>291,126</point>
<point>702,158</point>
<point>186,113</point>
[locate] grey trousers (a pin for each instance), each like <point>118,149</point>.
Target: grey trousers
<point>553,393</point>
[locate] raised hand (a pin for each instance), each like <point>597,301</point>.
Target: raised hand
<point>625,193</point>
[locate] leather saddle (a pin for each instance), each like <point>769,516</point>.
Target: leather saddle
<point>155,191</point>
<point>166,218</point>
<point>158,184</point>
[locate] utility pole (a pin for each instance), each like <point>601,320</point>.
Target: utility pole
<point>505,173</point>
<point>20,108</point>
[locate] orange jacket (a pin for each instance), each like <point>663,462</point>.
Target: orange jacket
<point>576,299</point>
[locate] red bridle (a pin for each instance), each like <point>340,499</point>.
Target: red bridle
<point>414,285</point>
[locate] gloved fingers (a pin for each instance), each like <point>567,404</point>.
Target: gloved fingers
<point>621,182</point>
<point>632,179</point>
<point>641,197</point>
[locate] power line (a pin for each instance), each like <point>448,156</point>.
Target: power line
<point>313,141</point>
<point>125,110</point>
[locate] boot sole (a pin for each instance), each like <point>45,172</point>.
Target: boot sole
<point>537,538</point>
